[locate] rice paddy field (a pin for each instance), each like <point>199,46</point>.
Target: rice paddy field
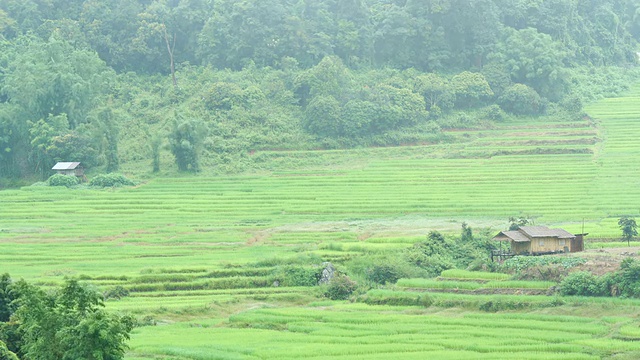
<point>199,256</point>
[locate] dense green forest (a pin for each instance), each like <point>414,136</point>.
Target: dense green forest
<point>212,81</point>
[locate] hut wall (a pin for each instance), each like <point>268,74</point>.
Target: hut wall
<point>520,247</point>
<point>549,244</point>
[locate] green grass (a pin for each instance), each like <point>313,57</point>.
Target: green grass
<point>473,275</point>
<point>472,285</point>
<point>357,331</point>
<point>209,247</point>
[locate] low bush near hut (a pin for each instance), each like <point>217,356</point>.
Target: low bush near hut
<point>110,180</point>
<point>63,180</point>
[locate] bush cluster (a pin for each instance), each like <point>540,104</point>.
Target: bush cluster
<point>63,180</point>
<point>116,293</point>
<point>292,275</point>
<point>623,283</point>
<point>340,287</point>
<point>111,180</point>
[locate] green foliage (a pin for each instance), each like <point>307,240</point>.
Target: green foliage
<point>628,227</point>
<point>466,235</point>
<point>582,283</point>
<point>117,292</point>
<point>52,88</point>
<point>185,140</point>
<point>295,275</point>
<point>521,99</point>
<point>535,59</point>
<point>438,253</point>
<point>340,287</point>
<point>471,89</point>
<point>63,180</point>
<point>386,269</point>
<point>110,180</point>
<point>156,143</point>
<point>437,92</point>
<point>627,281</point>
<point>6,298</point>
<point>519,263</point>
<point>69,323</point>
<point>5,354</point>
<point>516,222</point>
<point>381,273</point>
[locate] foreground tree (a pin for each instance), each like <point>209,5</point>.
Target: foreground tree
<point>629,228</point>
<point>68,323</point>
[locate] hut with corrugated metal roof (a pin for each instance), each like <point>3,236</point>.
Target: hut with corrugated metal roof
<point>538,240</point>
<point>69,168</point>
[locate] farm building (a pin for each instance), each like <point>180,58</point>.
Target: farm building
<point>69,168</point>
<point>536,240</point>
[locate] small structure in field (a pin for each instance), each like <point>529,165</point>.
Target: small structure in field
<point>69,168</point>
<point>539,240</point>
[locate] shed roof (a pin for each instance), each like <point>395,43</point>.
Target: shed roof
<point>543,231</point>
<point>528,233</point>
<point>65,166</point>
<point>514,235</point>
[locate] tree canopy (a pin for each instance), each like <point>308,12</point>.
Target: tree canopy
<point>68,323</point>
<point>79,77</point>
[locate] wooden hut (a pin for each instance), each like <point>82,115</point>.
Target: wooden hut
<point>537,240</point>
<point>69,168</point>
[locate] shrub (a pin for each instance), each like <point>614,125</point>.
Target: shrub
<point>383,273</point>
<point>290,275</point>
<point>117,293</point>
<point>582,283</point>
<point>628,278</point>
<point>111,180</point>
<point>63,180</point>
<point>494,112</point>
<point>385,270</point>
<point>340,287</point>
<point>521,99</point>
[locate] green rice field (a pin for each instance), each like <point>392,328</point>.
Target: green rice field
<point>200,256</point>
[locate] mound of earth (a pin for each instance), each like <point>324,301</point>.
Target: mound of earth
<point>602,261</point>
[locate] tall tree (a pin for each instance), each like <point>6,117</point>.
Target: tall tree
<point>185,140</point>
<point>50,89</point>
<point>535,59</point>
<point>629,228</point>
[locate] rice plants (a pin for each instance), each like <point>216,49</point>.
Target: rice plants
<point>193,246</point>
<point>473,275</point>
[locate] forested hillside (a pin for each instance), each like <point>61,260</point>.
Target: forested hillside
<point>212,81</point>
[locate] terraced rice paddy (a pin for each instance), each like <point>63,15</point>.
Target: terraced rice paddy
<point>200,256</point>
<point>381,332</point>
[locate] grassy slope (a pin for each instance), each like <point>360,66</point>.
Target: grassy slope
<point>335,204</point>
<point>336,201</point>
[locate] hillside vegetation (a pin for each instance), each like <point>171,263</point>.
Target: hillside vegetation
<point>239,151</point>
<point>218,259</point>
<point>201,85</point>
